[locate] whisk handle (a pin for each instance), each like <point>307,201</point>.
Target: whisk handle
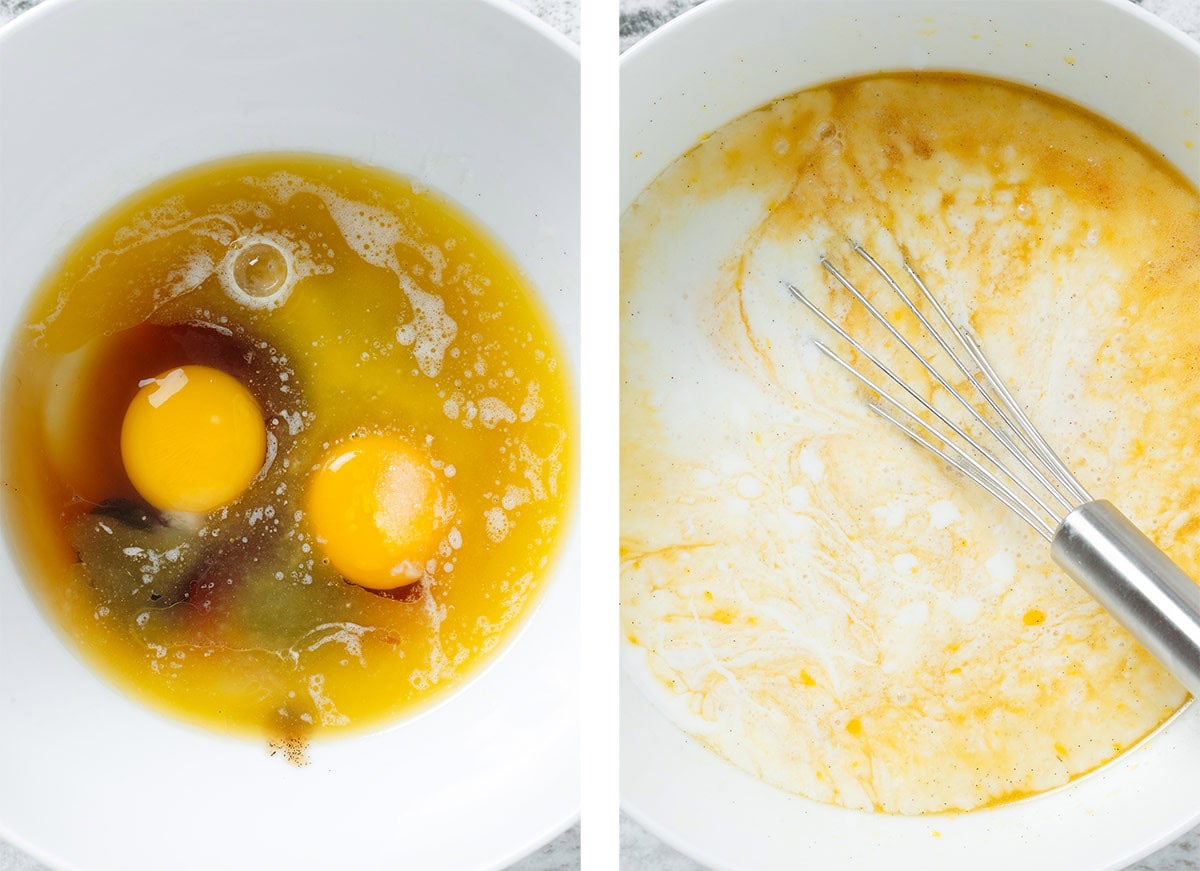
<point>1137,583</point>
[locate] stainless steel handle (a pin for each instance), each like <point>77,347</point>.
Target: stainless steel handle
<point>1137,583</point>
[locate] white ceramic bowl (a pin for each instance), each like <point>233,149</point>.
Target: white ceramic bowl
<point>727,57</point>
<point>477,100</point>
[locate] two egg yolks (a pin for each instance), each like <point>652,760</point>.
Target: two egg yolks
<point>193,439</point>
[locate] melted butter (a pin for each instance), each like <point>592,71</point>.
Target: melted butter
<point>403,317</point>
<point>813,597</point>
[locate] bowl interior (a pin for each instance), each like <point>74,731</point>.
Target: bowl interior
<point>474,99</point>
<point>730,56</point>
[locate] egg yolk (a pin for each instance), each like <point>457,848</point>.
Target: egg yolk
<point>375,506</point>
<point>193,439</point>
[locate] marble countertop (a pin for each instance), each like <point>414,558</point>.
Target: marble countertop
<point>640,849</point>
<point>561,854</point>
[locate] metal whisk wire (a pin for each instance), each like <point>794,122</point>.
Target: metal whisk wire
<point>1090,539</point>
<point>1010,428</point>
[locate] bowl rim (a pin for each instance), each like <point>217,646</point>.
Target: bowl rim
<point>707,7</point>
<point>509,7</point>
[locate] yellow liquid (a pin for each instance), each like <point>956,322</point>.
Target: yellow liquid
<point>406,320</point>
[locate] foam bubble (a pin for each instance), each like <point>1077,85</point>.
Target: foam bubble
<point>258,288</point>
<point>373,233</point>
<point>498,524</point>
<point>493,412</point>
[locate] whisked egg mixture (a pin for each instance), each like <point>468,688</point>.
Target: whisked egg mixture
<point>803,590</point>
<point>288,445</point>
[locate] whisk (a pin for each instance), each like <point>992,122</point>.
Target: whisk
<point>1089,538</point>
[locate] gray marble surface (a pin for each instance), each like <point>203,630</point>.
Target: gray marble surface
<point>643,851</point>
<point>561,854</point>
